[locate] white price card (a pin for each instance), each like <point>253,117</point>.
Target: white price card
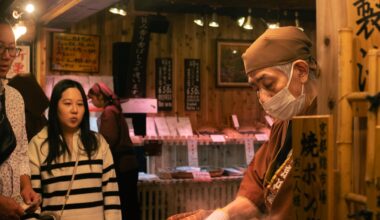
<point>150,127</point>
<point>249,150</point>
<point>261,137</point>
<point>235,121</point>
<point>172,125</point>
<point>192,152</point>
<point>201,176</point>
<point>162,127</point>
<point>184,127</point>
<point>269,120</point>
<point>217,138</point>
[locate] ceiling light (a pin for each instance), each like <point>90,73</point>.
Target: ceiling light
<point>247,24</point>
<point>273,25</point>
<point>29,8</point>
<point>297,22</point>
<point>199,21</point>
<point>122,12</point>
<point>240,21</point>
<point>213,22</point>
<point>19,29</point>
<point>118,9</point>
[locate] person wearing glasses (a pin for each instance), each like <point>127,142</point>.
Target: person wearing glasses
<point>15,186</point>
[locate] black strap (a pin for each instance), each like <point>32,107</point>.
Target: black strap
<point>7,137</point>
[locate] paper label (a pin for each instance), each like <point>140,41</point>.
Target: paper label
<point>235,121</point>
<point>201,176</point>
<point>217,138</point>
<point>261,137</point>
<point>192,152</point>
<point>249,150</point>
<point>150,127</point>
<point>162,127</point>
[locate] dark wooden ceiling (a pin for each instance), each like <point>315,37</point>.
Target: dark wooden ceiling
<point>62,13</point>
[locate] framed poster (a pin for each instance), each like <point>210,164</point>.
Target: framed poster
<point>75,52</point>
<point>230,68</point>
<point>22,63</point>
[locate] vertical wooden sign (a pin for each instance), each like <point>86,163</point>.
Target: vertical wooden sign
<point>136,80</point>
<point>192,85</point>
<point>313,167</point>
<point>164,84</point>
<point>364,16</point>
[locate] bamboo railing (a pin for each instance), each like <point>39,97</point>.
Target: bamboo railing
<point>345,127</point>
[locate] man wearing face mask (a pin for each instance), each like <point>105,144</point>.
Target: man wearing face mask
<point>281,70</point>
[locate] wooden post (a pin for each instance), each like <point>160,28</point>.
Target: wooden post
<point>376,213</point>
<point>313,176</point>
<point>371,124</point>
<point>345,120</point>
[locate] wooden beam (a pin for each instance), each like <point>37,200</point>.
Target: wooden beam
<point>55,11</point>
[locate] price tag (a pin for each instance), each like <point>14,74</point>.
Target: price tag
<point>249,150</point>
<point>235,121</point>
<point>217,138</point>
<point>261,137</point>
<point>269,120</point>
<point>192,152</point>
<point>201,176</point>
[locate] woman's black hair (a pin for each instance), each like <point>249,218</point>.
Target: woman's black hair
<point>57,144</point>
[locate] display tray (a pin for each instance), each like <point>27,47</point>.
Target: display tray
<point>187,174</point>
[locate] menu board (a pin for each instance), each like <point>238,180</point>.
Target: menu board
<point>75,52</point>
<point>192,85</point>
<point>164,92</point>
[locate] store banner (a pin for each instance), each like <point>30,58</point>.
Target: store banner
<point>164,84</point>
<point>192,85</point>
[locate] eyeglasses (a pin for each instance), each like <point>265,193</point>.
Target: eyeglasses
<point>12,51</point>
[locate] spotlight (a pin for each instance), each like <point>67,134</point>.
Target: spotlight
<point>19,29</point>
<point>118,9</point>
<point>199,21</point>
<point>214,21</point>
<point>29,8</point>
<point>248,21</point>
<point>297,22</point>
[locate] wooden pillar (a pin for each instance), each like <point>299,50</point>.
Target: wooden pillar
<point>345,120</point>
<point>313,176</point>
<point>371,126</point>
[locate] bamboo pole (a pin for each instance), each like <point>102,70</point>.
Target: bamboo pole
<point>371,117</point>
<point>345,120</point>
<point>353,197</point>
<point>371,124</point>
<point>357,96</point>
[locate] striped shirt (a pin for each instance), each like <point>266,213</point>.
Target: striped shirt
<point>94,194</point>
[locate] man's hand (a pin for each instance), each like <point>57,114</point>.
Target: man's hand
<point>10,209</point>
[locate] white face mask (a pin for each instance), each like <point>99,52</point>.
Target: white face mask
<point>284,105</point>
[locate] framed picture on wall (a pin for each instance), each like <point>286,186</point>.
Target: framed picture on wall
<point>75,52</point>
<point>229,64</point>
<point>22,63</point>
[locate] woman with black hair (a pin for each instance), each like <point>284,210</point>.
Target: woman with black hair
<point>113,127</point>
<point>72,167</point>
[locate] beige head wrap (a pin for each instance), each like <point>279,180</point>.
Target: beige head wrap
<point>275,47</point>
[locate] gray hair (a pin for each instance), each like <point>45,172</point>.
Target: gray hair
<point>286,68</point>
